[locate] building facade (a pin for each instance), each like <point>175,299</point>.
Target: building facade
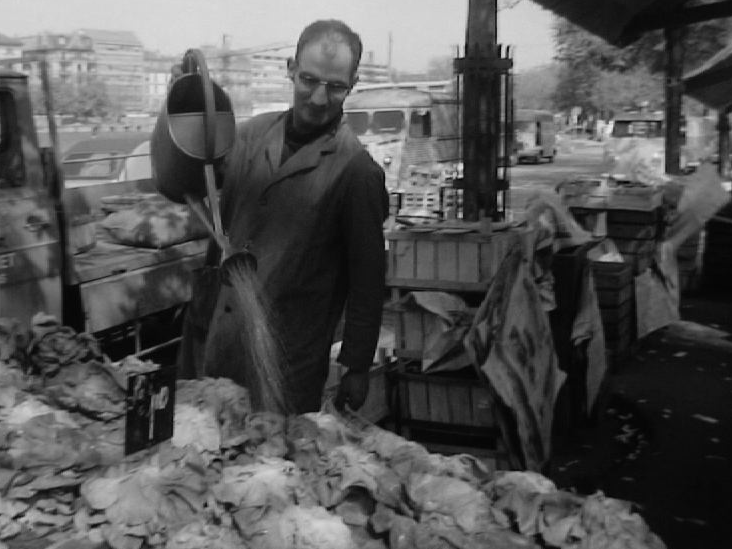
<point>119,63</point>
<point>136,80</point>
<point>11,52</point>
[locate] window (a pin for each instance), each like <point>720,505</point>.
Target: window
<point>11,158</point>
<point>387,122</point>
<point>638,128</point>
<point>97,165</point>
<point>358,121</point>
<point>420,123</point>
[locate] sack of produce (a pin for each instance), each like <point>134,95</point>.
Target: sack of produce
<point>154,224</point>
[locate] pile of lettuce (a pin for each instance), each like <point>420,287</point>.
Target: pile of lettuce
<point>233,478</point>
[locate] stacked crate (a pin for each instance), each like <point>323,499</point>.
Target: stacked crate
<point>717,270</point>
<point>636,233</point>
<point>687,257</point>
<point>454,411</point>
<point>616,299</point>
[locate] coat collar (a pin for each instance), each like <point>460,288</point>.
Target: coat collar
<point>306,158</point>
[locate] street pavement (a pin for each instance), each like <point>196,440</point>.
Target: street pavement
<point>662,434</point>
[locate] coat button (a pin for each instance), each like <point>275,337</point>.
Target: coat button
<point>227,308</point>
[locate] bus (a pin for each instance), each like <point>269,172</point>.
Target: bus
<point>405,127</point>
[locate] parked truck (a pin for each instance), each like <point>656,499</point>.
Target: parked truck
<point>53,255</point>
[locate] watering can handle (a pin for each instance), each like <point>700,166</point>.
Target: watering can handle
<point>194,61</point>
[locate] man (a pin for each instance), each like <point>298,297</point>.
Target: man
<point>307,200</point>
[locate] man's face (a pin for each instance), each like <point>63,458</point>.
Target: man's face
<point>322,78</point>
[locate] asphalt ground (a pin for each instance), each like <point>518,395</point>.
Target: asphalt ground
<point>662,437</point>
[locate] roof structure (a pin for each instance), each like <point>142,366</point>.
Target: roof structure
<point>621,22</point>
<point>712,82</point>
<point>7,41</point>
<point>128,38</point>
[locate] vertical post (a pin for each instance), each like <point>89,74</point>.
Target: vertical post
<point>674,37</point>
<point>480,110</point>
<point>723,128</point>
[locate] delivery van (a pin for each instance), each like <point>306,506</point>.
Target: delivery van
<point>535,136</point>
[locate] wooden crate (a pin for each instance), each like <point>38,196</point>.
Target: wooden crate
<point>444,399</point>
<point>445,260</point>
<point>614,283</point>
<point>411,325</point>
<point>611,275</point>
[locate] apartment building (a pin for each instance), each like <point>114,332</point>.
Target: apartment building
<point>119,63</point>
<point>11,51</point>
<point>136,80</point>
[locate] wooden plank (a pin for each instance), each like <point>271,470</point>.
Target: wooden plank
<point>628,231</point>
<point>481,408</point>
<point>468,262</point>
<point>418,399</point>
<point>446,285</point>
<point>126,297</point>
<point>448,265</point>
<point>460,405</point>
<point>613,298</point>
<point>107,258</point>
<point>403,254</point>
<point>439,397</point>
<point>614,314</point>
<point>425,260</point>
<point>611,275</point>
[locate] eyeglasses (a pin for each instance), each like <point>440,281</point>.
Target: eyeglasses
<point>334,89</point>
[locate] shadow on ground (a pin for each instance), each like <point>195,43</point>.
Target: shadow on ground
<point>663,438</point>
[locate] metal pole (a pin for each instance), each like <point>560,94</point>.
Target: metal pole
<point>480,111</point>
<point>674,96</point>
<point>723,128</point>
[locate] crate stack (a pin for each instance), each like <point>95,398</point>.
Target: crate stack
<point>435,199</point>
<point>636,233</point>
<point>687,257</point>
<point>717,270</point>
<point>449,412</point>
<point>616,299</point>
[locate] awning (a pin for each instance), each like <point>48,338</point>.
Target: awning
<point>619,22</point>
<point>712,82</point>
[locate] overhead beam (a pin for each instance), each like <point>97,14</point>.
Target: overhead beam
<point>708,78</point>
<point>681,17</point>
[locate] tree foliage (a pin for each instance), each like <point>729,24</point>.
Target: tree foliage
<point>598,76</point>
<point>80,101</point>
<point>533,88</point>
<point>440,68</point>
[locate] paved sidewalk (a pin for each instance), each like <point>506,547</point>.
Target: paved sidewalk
<point>664,440</point>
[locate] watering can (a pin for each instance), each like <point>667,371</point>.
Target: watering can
<point>193,133</point>
<point>195,127</point>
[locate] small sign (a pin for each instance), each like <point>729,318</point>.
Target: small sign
<point>150,405</point>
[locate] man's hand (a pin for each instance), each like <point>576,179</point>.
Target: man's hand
<point>353,390</point>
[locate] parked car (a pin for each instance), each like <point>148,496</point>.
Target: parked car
<point>106,158</point>
<point>108,164</point>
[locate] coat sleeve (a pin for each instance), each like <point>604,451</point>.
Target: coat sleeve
<point>365,207</point>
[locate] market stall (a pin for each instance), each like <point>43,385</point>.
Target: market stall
<point>234,477</point>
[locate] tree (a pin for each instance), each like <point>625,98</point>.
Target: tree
<point>533,89</point>
<point>598,76</point>
<point>575,46</point>
<point>85,100</point>
<point>614,91</point>
<point>440,68</point>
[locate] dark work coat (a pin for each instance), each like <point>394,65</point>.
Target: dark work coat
<point>315,226</point>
